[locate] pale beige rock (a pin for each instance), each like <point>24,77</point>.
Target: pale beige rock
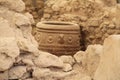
<point>18,5</point>
<point>8,43</point>
<point>78,76</point>
<point>86,78</point>
<point>47,74</point>
<point>67,59</point>
<point>5,61</point>
<point>25,40</point>
<point>5,29</point>
<point>80,56</point>
<point>9,47</point>
<point>93,54</point>
<point>110,60</point>
<point>41,73</point>
<point>28,62</point>
<point>17,72</point>
<point>67,67</point>
<point>4,75</point>
<point>94,49</point>
<point>21,25</point>
<point>30,17</point>
<point>21,20</point>
<point>46,59</point>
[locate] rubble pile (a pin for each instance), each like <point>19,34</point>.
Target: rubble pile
<point>20,58</point>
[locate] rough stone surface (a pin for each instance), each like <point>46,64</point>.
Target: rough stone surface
<point>80,56</point>
<point>20,58</point>
<point>4,75</point>
<point>17,72</point>
<point>93,57</point>
<point>67,59</point>
<point>48,60</point>
<point>109,62</point>
<point>36,8</point>
<point>6,62</point>
<point>8,45</point>
<point>78,76</point>
<point>18,5</point>
<point>89,59</point>
<point>47,74</point>
<point>67,67</point>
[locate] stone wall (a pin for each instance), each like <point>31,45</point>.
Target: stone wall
<point>97,18</point>
<point>36,8</point>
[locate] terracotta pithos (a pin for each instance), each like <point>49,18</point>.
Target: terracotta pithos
<point>58,37</point>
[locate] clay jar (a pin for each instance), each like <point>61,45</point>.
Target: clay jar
<point>58,37</point>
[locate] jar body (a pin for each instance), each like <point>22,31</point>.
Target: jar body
<point>58,40</point>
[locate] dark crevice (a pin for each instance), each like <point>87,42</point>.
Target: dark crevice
<point>82,39</point>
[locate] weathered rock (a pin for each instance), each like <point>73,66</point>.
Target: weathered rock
<point>9,47</point>
<point>47,74</point>
<point>5,29</point>
<point>25,40</point>
<point>28,62</point>
<point>6,61</point>
<point>48,60</point>
<point>8,43</point>
<point>88,60</point>
<point>18,5</point>
<point>67,67</point>
<point>30,17</point>
<point>110,60</point>
<point>21,25</point>
<point>86,78</point>
<point>80,56</point>
<point>67,59</point>
<point>4,75</point>
<point>78,76</point>
<point>17,72</point>
<point>21,20</point>
<point>93,53</point>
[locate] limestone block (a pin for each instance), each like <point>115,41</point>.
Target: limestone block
<point>18,5</point>
<point>17,72</point>
<point>9,47</point>
<point>5,61</point>
<point>93,54</point>
<point>109,67</point>
<point>8,44</point>
<point>4,75</point>
<point>47,74</point>
<point>67,59</point>
<point>80,56</point>
<point>21,20</point>
<point>30,17</point>
<point>78,76</point>
<point>67,67</point>
<point>5,29</point>
<point>28,62</point>
<point>48,60</point>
